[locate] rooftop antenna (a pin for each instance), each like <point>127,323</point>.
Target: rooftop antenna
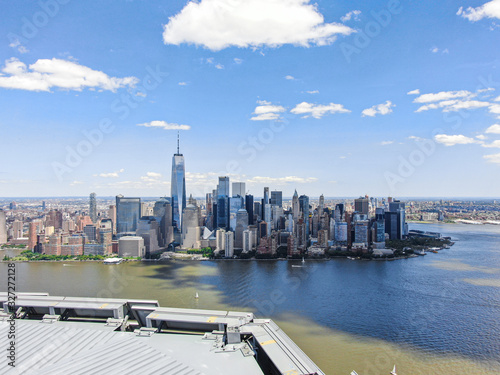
<point>177,143</point>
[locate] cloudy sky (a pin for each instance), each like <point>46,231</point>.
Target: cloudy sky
<point>343,98</point>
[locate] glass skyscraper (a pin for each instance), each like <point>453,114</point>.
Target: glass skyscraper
<point>128,213</point>
<point>178,187</point>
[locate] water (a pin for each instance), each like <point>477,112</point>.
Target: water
<point>438,314</point>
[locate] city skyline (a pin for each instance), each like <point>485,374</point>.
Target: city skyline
<point>411,110</point>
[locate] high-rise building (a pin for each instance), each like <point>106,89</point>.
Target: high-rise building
<point>178,187</point>
<point>321,203</point>
<point>229,244</point>
<point>241,226</point>
<point>128,213</point>
<point>3,227</point>
<point>112,216</point>
<point>223,187</point>
<point>277,198</point>
<point>247,240</point>
<point>295,206</point>
<point>265,201</point>
<point>235,204</point>
<point>223,212</point>
<point>220,239</point>
<point>380,225</point>
<point>191,231</point>
<point>54,219</point>
<point>304,209</point>
<point>93,208</point>
<point>361,205</point>
<point>238,189</point>
<point>90,232</point>
<point>17,228</point>
<point>249,208</point>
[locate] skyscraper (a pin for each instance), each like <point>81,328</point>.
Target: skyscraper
<point>3,228</point>
<point>361,205</point>
<point>238,189</point>
<point>223,187</point>
<point>178,187</point>
<point>277,198</point>
<point>128,212</point>
<point>93,208</point>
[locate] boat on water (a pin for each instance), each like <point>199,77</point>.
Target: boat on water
<point>196,295</point>
<point>393,372</point>
<point>112,260</point>
<point>303,260</point>
<point>351,258</point>
<point>420,252</point>
<point>296,266</point>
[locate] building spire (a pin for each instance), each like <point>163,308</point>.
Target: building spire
<point>178,143</point>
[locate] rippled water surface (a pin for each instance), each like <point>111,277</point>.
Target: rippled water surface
<point>438,314</point>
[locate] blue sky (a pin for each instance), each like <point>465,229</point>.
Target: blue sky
<point>343,98</point>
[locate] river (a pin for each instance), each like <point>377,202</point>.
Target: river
<point>437,314</point>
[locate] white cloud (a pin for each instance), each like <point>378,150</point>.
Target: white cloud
<point>110,174</point>
<point>218,24</point>
<point>354,14</point>
<point>164,125</point>
<point>494,144</point>
<point>385,143</point>
<point>219,66</point>
<point>495,158</point>
<point>495,109</point>
<point>434,50</point>
<point>267,111</point>
<point>152,177</point>
<point>481,137</point>
<point>490,9</point>
<point>45,74</point>
<point>417,139</point>
<point>291,78</point>
<point>497,99</point>
<point>16,44</point>
<point>443,95</point>
<point>452,140</point>
<point>318,110</point>
<point>493,129</point>
<point>381,109</point>
<point>182,83</point>
<point>313,92</point>
<point>237,60</point>
<point>413,92</point>
<point>75,183</point>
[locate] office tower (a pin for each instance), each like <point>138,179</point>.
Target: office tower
<point>266,195</point>
<point>391,224</point>
<point>149,229</point>
<point>341,232</point>
<point>223,187</point>
<point>13,206</point>
<point>304,209</point>
<point>321,203</point>
<point>229,244</point>
<point>93,208</point>
<point>131,246</point>
<point>249,207</point>
<point>220,239</point>
<point>223,212</point>
<point>241,226</point>
<point>191,227</point>
<point>239,189</point>
<point>90,232</point>
<point>277,198</point>
<point>128,213</point>
<point>44,206</point>
<point>112,216</point>
<point>295,206</point>
<point>235,204</point>
<point>361,205</point>
<point>247,240</point>
<point>208,203</point>
<point>361,228</point>
<point>379,225</point>
<point>339,212</point>
<point>3,227</point>
<point>268,217</point>
<point>399,208</point>
<point>257,211</point>
<point>276,215</point>
<point>178,187</point>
